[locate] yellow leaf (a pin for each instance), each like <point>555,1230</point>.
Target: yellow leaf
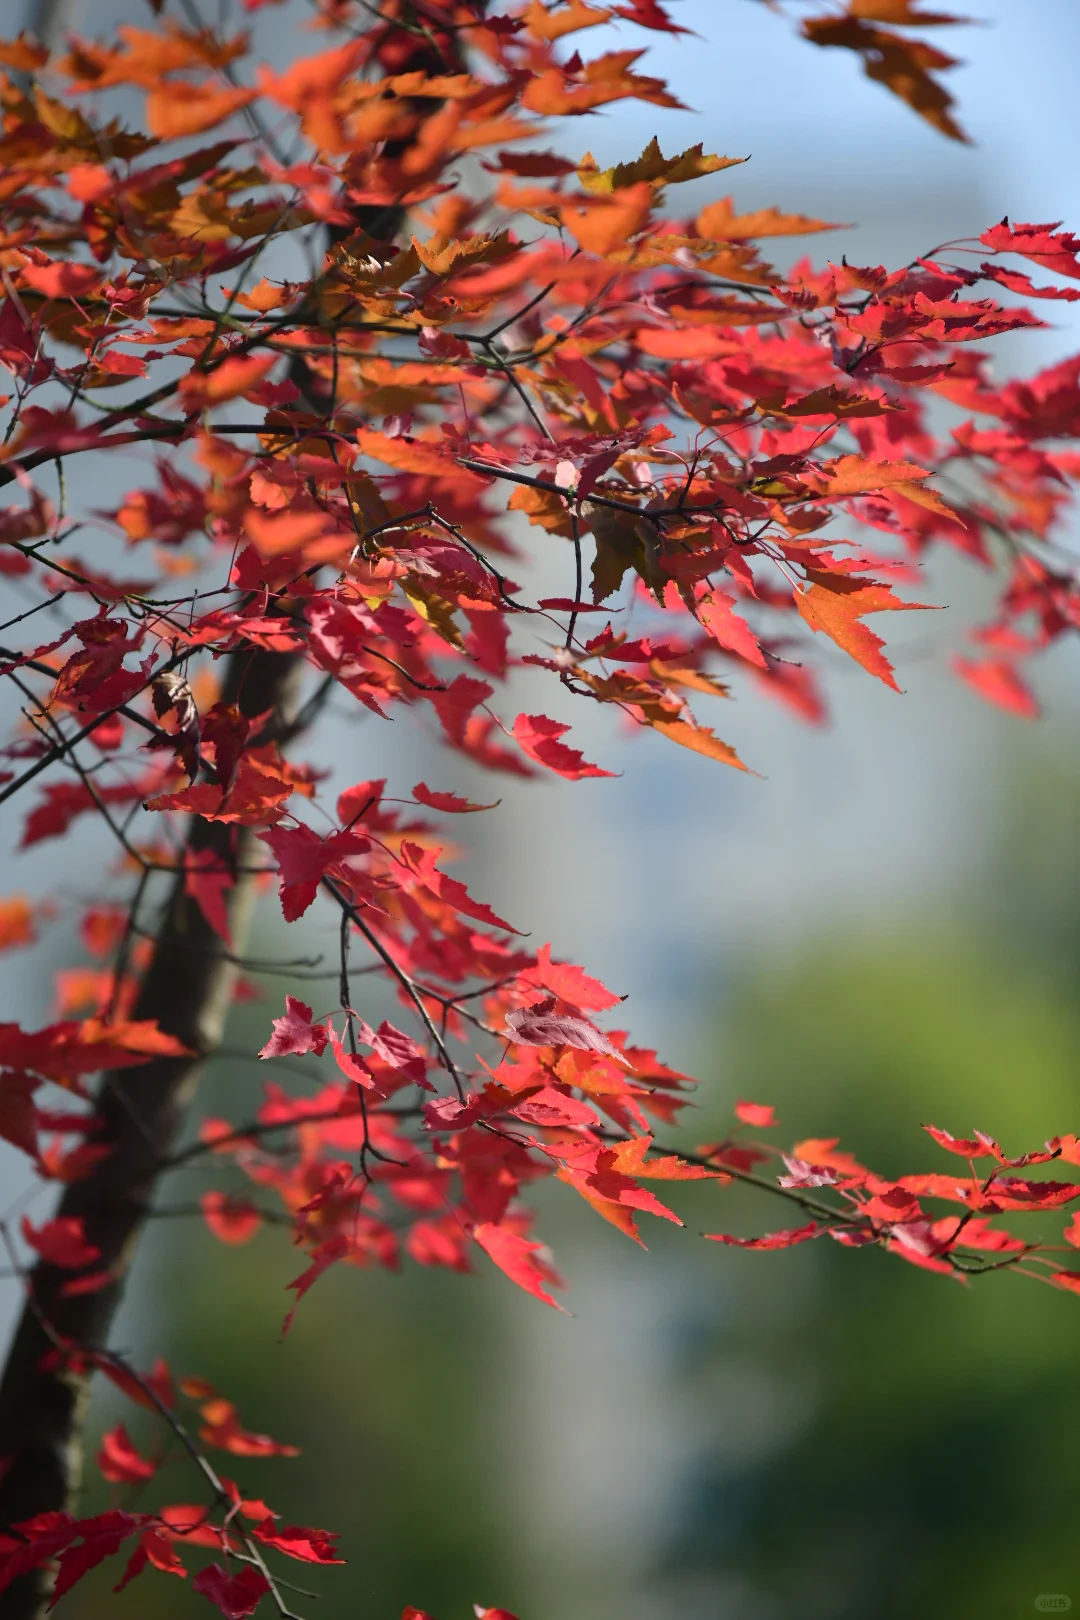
<point>455,256</point>
<point>652,166</point>
<point>435,612</point>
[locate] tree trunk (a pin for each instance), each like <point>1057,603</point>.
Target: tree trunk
<point>187,989</point>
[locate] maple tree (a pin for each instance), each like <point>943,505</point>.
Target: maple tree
<point>380,341</point>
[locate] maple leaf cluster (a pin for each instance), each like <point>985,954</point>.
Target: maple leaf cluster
<point>729,462</point>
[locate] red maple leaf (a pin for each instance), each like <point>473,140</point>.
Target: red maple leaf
<point>539,737</point>
<point>237,1595</point>
<point>120,1462</point>
<point>295,1032</point>
<point>521,1259</point>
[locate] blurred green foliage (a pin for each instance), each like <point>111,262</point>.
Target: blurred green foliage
<point>861,1440</point>
<point>931,1468</point>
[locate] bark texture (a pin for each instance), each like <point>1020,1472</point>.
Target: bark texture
<point>187,989</point>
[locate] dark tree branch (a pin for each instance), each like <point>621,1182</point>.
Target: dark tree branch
<point>187,990</point>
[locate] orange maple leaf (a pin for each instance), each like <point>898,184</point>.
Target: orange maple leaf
<point>178,109</point>
<point>604,224</point>
<point>836,604</point>
<point>719,222</point>
<point>567,19</point>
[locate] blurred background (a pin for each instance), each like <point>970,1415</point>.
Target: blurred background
<point>882,928</point>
